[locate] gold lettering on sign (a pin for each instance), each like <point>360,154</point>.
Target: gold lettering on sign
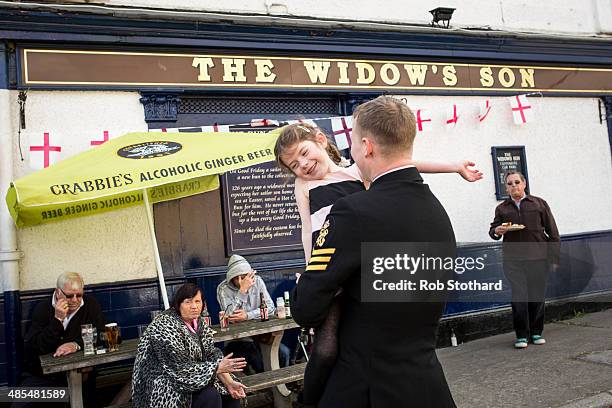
<point>384,74</point>
<point>506,77</point>
<point>343,68</point>
<point>416,73</point>
<point>203,64</point>
<point>233,70</point>
<point>527,79</point>
<point>264,71</point>
<point>317,71</point>
<point>486,77</point>
<point>450,75</point>
<point>365,73</point>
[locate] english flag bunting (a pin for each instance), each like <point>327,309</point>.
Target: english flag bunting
<point>45,150</point>
<point>264,122</point>
<point>105,138</point>
<point>423,121</point>
<point>307,121</point>
<point>522,111</point>
<point>216,128</point>
<point>485,108</point>
<point>342,127</point>
<point>452,116</point>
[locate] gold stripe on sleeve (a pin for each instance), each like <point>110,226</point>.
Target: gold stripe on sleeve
<point>320,267</point>
<point>323,251</point>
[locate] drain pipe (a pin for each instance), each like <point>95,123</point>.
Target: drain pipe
<point>9,255</point>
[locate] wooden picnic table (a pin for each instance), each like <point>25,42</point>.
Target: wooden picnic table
<point>73,364</point>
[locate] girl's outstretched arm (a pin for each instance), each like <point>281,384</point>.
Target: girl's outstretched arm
<point>461,167</point>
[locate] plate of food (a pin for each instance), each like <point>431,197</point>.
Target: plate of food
<point>513,227</point>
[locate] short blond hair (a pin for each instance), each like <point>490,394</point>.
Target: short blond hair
<point>389,121</point>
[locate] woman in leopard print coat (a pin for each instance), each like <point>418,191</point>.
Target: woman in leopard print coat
<point>177,364</point>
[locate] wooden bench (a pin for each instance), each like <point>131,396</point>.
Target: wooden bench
<point>74,363</point>
<point>272,378</point>
<point>108,377</point>
<point>260,381</point>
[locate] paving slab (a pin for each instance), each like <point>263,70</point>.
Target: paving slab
<point>571,367</point>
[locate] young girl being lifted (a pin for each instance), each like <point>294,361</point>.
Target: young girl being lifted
<point>321,178</point>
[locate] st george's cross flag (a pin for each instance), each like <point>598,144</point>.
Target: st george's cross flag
<point>522,111</point>
<point>452,116</point>
<point>45,149</point>
<point>423,121</point>
<point>342,127</point>
<point>485,109</point>
<point>215,128</point>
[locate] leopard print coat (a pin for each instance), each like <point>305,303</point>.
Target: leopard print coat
<point>171,363</point>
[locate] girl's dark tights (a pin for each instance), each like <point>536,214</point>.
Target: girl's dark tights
<point>323,356</point>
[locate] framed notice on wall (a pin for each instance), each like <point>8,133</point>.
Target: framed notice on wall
<point>260,214</point>
<point>505,160</point>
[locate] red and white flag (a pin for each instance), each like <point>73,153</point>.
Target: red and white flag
<point>423,121</point>
<point>342,127</point>
<point>45,150</point>
<point>307,121</point>
<point>485,108</point>
<point>216,128</point>
<point>105,138</point>
<point>264,122</point>
<point>452,116</point>
<point>522,111</point>
<point>165,130</point>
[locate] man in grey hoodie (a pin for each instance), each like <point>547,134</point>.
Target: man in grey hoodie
<point>239,296</point>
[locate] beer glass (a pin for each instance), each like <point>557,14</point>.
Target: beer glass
<point>88,340</point>
<point>223,321</point>
<point>102,343</point>
<point>112,336</point>
<point>141,329</point>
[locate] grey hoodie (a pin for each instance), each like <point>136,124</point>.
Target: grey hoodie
<point>230,298</point>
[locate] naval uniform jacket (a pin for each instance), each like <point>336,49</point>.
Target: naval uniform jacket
<point>386,350</point>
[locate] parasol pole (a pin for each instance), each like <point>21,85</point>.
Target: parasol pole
<point>160,272</point>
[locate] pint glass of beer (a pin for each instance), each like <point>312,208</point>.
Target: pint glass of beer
<point>112,336</point>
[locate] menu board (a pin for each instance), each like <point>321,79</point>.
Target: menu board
<point>260,214</point>
<point>505,160</point>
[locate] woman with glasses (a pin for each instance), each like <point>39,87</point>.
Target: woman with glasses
<point>531,246</point>
<point>56,328</point>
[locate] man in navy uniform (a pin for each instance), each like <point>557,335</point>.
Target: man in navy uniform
<point>386,350</point>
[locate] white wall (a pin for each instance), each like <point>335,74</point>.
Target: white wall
<point>567,151</point>
<point>560,16</point>
<point>108,247</point>
<point>8,271</point>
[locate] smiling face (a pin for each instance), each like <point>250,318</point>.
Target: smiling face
<point>191,307</point>
<point>515,186</point>
<point>308,160</point>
